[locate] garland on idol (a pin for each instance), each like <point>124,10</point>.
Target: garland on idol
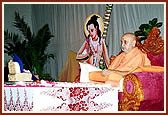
<point>94,55</point>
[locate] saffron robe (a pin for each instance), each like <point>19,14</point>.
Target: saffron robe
<point>130,61</point>
<point>123,62</point>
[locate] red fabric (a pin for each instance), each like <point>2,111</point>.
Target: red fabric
<point>153,88</point>
<point>120,96</point>
<point>152,83</point>
<point>152,105</point>
<point>156,60</point>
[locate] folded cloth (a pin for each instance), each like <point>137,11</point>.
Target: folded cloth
<point>34,78</point>
<point>17,59</point>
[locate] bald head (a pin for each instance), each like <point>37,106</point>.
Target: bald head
<point>128,42</point>
<point>129,35</point>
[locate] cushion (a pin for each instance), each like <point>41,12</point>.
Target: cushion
<point>157,60</point>
<point>17,59</point>
<point>152,83</point>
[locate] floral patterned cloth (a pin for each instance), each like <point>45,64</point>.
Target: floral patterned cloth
<point>61,96</point>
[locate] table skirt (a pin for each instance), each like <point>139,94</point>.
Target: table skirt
<point>62,97</point>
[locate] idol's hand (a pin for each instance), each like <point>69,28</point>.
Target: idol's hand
<point>106,72</point>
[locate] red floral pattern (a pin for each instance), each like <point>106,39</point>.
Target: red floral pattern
<point>78,98</point>
<point>78,106</point>
<point>78,93</point>
<point>69,98</point>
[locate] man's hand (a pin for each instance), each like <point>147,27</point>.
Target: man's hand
<point>106,72</point>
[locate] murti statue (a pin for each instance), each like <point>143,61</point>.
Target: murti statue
<point>94,46</point>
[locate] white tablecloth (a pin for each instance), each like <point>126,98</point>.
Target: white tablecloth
<point>62,97</point>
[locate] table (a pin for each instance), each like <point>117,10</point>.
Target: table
<point>60,96</point>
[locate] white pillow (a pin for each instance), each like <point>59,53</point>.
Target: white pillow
<point>85,69</point>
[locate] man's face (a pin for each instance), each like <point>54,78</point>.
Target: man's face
<point>126,44</point>
<point>92,31</point>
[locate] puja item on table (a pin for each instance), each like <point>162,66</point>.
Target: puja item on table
<point>15,73</point>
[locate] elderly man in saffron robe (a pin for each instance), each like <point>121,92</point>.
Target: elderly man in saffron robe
<point>94,46</point>
<point>124,63</point>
